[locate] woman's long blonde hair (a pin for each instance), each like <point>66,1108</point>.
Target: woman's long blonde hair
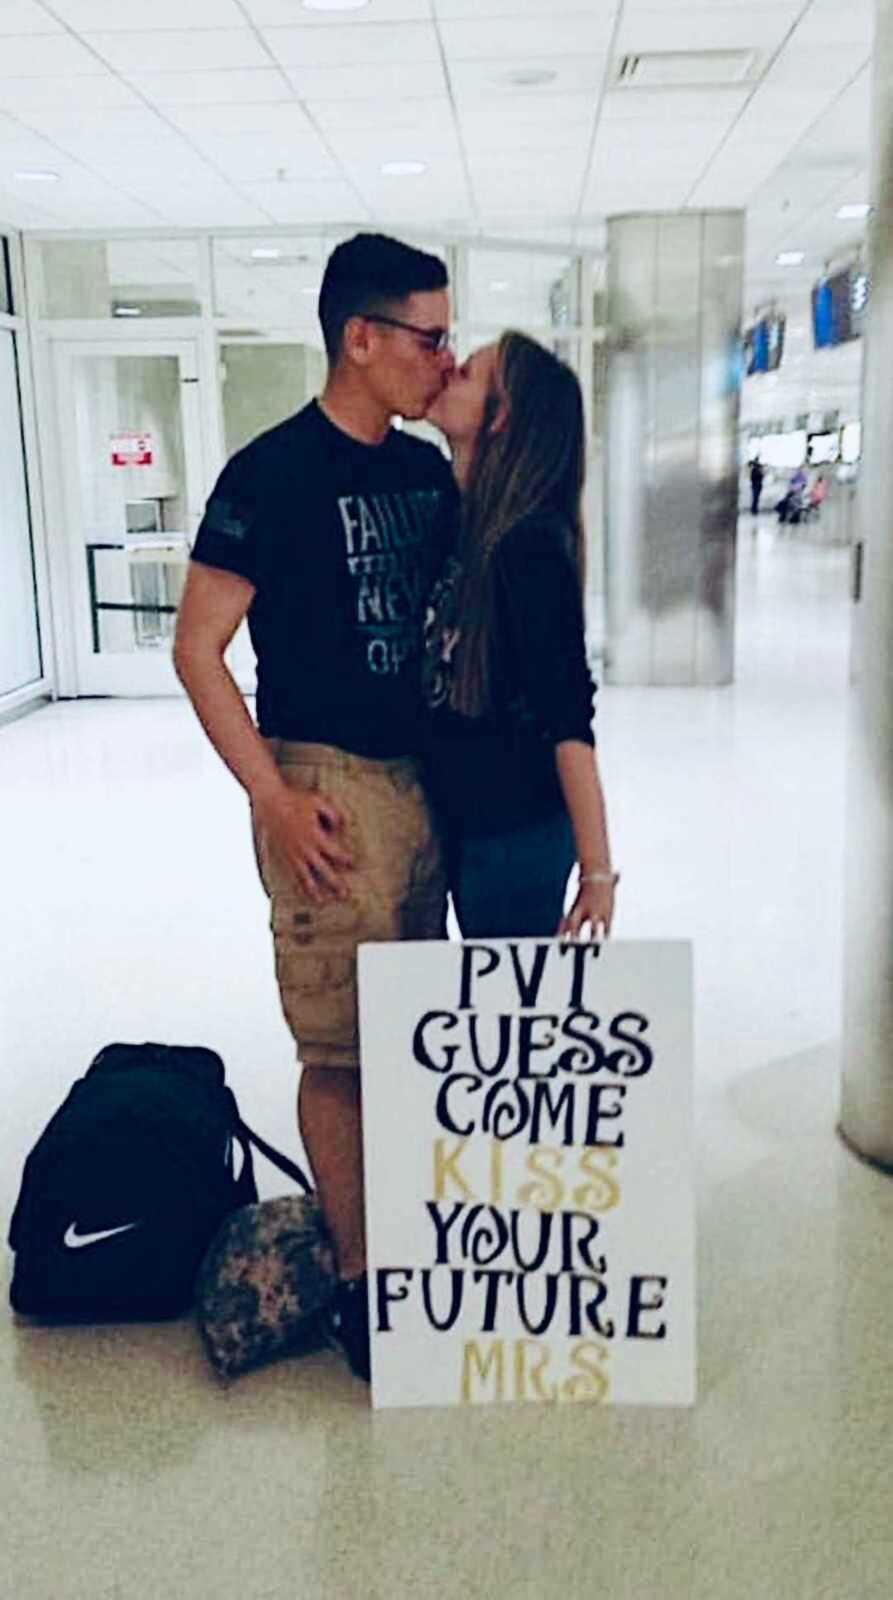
<point>536,462</point>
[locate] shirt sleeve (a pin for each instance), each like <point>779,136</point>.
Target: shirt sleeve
<point>229,532</point>
<point>546,630</point>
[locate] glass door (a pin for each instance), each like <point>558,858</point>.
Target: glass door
<point>131,453</point>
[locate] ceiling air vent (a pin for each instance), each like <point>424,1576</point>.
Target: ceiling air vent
<point>675,69</point>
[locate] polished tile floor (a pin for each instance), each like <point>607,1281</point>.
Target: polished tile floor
<point>130,909</point>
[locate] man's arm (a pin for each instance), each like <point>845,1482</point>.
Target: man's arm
<point>213,605</point>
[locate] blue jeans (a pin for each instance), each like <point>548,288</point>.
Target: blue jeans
<point>512,885</point>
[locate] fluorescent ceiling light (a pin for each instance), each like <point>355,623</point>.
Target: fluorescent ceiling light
<point>263,254</point>
<point>334,5</point>
<point>309,289</point>
<point>402,169</point>
<point>854,213</point>
<point>36,177</point>
<point>127,311</point>
<point>790,258</point>
<point>500,284</point>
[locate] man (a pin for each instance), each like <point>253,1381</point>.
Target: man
<point>327,531</point>
<point>757,475</point>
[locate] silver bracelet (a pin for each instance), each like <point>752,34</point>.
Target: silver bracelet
<point>613,878</point>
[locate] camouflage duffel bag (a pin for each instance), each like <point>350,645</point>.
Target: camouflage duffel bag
<point>265,1283</point>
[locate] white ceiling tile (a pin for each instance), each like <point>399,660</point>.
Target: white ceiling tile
<point>524,8</point>
<point>25,16</point>
<point>200,49</point>
<point>68,124</point>
<point>306,202</point>
<point>518,37</point>
<point>671,105</point>
<point>259,159</point>
<point>98,90</point>
<point>709,27</point>
<point>539,147</point>
<point>818,66</point>
<point>690,143</point>
<point>431,201</point>
<point>562,192</point>
<point>353,83</point>
<point>670,6</point>
<point>440,176</point>
<point>234,88</point>
<point>388,145</point>
<point>284,13</point>
<point>17,212</point>
<point>485,116</point>
<point>574,75</point>
<point>353,47</point>
<point>285,120</point>
<point>334,116</point>
<point>786,113</point>
<point>45,55</point>
<point>86,16</point>
<point>211,211</point>
<point>829,22</point>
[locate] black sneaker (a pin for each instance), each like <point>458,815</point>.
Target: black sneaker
<point>349,1321</point>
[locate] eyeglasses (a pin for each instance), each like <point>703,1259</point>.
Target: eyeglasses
<point>437,339</point>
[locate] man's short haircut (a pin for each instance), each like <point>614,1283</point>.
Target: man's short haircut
<point>369,273</point>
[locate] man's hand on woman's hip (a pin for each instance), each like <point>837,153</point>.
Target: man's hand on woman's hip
<point>303,828</point>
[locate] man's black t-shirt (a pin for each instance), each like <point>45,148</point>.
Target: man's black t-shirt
<point>342,541</point>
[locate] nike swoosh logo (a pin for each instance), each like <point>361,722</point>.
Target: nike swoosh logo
<point>77,1241</point>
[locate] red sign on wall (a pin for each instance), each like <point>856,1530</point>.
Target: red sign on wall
<point>131,449</point>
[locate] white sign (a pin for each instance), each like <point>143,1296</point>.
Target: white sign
<point>528,1159</point>
<point>131,449</point>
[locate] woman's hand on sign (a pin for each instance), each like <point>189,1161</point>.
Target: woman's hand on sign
<point>593,908</point>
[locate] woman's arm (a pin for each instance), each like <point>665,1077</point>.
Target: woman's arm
<point>581,786</point>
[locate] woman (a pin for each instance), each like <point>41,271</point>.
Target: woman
<point>511,757</point>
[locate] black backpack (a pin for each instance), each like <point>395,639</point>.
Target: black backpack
<point>128,1184</point>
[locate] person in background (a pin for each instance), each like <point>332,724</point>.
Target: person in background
<point>757,478</point>
<point>511,763</point>
<point>818,495</point>
<point>327,532</point>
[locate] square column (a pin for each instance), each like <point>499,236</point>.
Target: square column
<point>671,445</point>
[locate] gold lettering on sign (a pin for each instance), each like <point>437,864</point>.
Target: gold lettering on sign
<point>476,1364</point>
<point>497,1164</point>
<point>445,1167</point>
<point>485,1370</point>
<point>603,1193</point>
<point>545,1164</point>
<point>539,1356</point>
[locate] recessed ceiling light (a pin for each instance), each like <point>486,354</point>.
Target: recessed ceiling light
<point>263,254</point>
<point>855,213</point>
<point>127,311</point>
<point>309,289</point>
<point>334,5</point>
<point>402,169</point>
<point>531,77</point>
<point>500,284</point>
<point>790,258</point>
<point>36,177</point>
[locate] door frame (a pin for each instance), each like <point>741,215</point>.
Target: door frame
<point>87,673</point>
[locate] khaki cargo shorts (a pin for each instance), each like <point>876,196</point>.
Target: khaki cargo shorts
<point>397,891</point>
